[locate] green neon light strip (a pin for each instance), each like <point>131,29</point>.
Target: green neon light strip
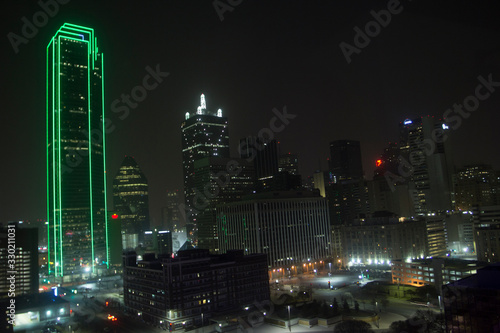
<point>54,199</point>
<point>104,162</point>
<point>59,111</point>
<point>89,31</point>
<point>48,156</point>
<point>90,167</point>
<point>69,32</point>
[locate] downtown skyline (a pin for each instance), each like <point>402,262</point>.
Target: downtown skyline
<point>411,68</point>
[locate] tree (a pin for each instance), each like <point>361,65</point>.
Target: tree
<point>345,306</point>
<point>335,306</point>
<point>356,306</point>
<point>353,326</point>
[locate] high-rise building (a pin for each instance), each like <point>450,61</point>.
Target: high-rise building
<point>292,228</point>
<point>217,181</point>
<point>171,215</point>
<point>157,241</point>
<point>348,200</point>
<point>437,235</point>
<point>384,194</point>
<point>130,198</point>
<point>488,243</point>
<point>76,178</point>
<point>289,163</point>
<point>476,185</point>
<point>264,155</point>
<point>424,144</point>
<point>204,133</point>
<point>19,246</point>
<point>345,160</point>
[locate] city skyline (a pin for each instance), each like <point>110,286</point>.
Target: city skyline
<point>410,69</point>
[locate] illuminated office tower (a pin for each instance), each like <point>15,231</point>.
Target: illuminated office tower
<point>76,176</point>
<point>423,145</point>
<point>204,134</point>
<point>130,198</point>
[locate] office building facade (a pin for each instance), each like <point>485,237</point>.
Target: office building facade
<point>217,181</point>
<point>476,185</point>
<point>194,286</point>
<point>380,240</point>
<point>432,272</point>
<point>76,178</point>
<point>130,198</point>
<point>292,228</point>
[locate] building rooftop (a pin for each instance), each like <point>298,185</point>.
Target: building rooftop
<point>486,278</point>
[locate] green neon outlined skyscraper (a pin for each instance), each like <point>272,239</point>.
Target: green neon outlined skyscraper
<point>76,176</point>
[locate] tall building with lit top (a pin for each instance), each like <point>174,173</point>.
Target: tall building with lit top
<point>130,198</point>
<point>204,134</point>
<point>76,178</point>
<point>424,143</point>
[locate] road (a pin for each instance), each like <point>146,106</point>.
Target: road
<point>345,285</point>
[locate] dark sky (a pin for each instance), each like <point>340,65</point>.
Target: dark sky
<point>263,55</point>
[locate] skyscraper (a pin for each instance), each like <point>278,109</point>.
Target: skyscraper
<point>345,160</point>
<point>76,179</point>
<point>218,181</point>
<point>422,144</point>
<point>130,198</point>
<point>170,214</point>
<point>204,133</point>
<point>289,163</point>
<point>476,185</point>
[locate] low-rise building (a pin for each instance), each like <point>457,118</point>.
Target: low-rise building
<point>193,286</point>
<point>472,304</point>
<point>432,272</point>
<point>379,240</point>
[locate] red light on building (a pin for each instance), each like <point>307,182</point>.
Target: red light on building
<point>378,163</point>
<point>114,216</point>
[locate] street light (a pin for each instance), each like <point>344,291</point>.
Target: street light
<point>289,322</point>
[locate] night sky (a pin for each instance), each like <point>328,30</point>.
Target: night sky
<point>263,55</point>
